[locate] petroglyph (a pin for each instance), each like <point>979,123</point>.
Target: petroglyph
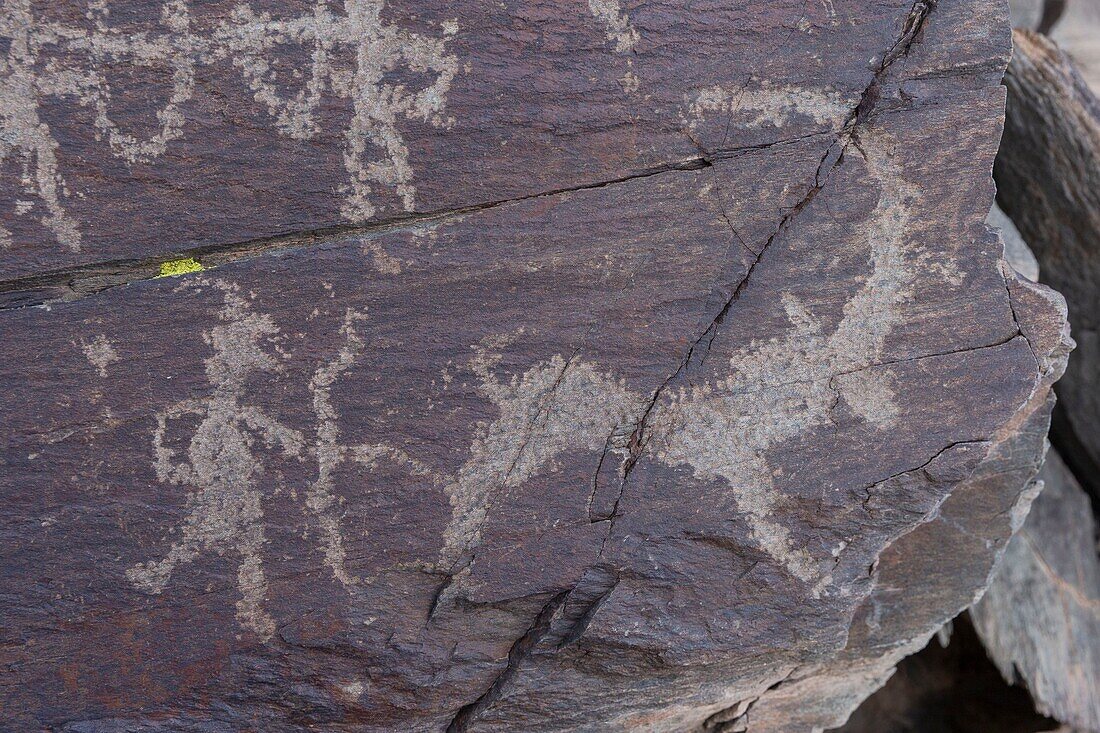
<point>225,511</point>
<point>101,353</point>
<point>375,154</point>
<point>619,30</point>
<point>22,131</point>
<point>557,405</point>
<point>774,390</point>
<point>780,388</point>
<point>174,49</point>
<point>378,105</point>
<point>321,498</point>
<point>769,104</point>
<point>226,508</point>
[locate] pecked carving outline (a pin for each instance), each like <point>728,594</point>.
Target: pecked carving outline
<point>26,77</point>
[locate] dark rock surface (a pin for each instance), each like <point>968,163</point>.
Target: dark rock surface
<point>921,581</point>
<point>137,129</point>
<point>651,453</point>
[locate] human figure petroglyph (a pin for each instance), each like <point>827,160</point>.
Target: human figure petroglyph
<point>225,510</point>
<point>22,131</point>
<point>379,48</point>
<point>375,154</point>
<point>321,498</point>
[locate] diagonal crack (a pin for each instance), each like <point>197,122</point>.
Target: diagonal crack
<point>516,655</point>
<point>86,280</point>
<point>830,161</point>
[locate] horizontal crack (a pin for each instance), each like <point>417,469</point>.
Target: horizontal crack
<point>81,281</point>
<point>84,280</point>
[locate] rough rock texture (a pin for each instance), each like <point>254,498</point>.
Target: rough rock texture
<point>921,581</point>
<point>950,685</point>
<point>1040,618</point>
<point>705,398</point>
<point>1048,176</point>
<point>133,129</point>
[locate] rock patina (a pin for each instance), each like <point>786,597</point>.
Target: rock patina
<point>545,366</point>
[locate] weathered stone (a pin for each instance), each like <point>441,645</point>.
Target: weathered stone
<point>1048,176</point>
<point>921,581</point>
<point>140,129</point>
<point>1040,618</point>
<point>950,685</point>
<point>641,454</point>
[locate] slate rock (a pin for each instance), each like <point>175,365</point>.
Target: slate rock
<point>144,129</point>
<point>1048,177</point>
<point>639,431</point>
<point>922,580</point>
<point>949,685</point>
<point>1040,618</point>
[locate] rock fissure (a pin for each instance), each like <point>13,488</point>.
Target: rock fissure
<point>468,713</point>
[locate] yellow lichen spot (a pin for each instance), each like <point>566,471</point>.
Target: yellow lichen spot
<point>182,266</point>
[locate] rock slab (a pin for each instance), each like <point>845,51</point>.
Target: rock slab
<point>1048,178</point>
<point>1040,618</point>
<point>612,377</point>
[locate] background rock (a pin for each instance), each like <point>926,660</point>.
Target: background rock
<point>1017,253</point>
<point>953,687</point>
<point>1048,177</point>
<point>1040,618</point>
<point>1078,33</point>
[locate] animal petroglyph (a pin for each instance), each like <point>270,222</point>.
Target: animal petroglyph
<point>775,390</point>
<point>375,153</point>
<point>769,104</point>
<point>780,388</point>
<point>555,406</point>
